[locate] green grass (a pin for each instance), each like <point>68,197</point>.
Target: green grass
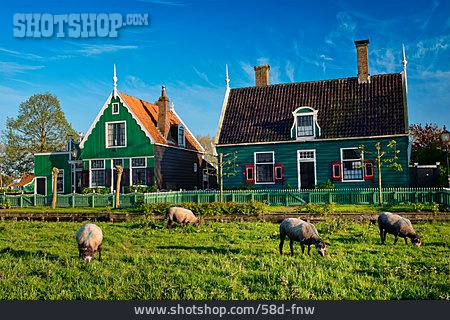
<point>143,260</point>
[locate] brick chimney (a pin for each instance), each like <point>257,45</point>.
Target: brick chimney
<point>163,113</point>
<point>262,75</point>
<point>362,54</point>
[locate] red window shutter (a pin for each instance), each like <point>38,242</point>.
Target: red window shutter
<point>249,173</point>
<point>336,170</point>
<point>279,173</point>
<point>369,172</point>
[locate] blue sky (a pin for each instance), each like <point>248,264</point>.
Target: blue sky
<point>188,43</point>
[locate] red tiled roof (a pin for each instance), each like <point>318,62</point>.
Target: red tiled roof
<point>345,109</point>
<point>148,116</point>
<point>24,180</point>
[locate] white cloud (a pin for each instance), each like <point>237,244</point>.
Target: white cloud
<point>12,68</point>
<point>345,29</point>
<point>431,46</point>
<point>384,62</point>
<point>90,50</point>
<point>289,69</point>
<point>167,2</point>
<point>203,76</point>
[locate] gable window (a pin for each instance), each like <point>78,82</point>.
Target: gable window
<point>264,166</point>
<point>305,126</point>
<point>98,173</point>
<point>115,108</point>
<point>138,168</point>
<point>181,137</point>
<point>351,159</point>
<point>116,134</point>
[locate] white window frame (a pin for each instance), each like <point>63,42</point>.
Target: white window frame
<point>112,171</point>
<point>195,167</point>
<point>138,167</point>
<point>63,189</point>
<point>106,134</point>
<point>313,159</point>
<point>90,170</point>
<point>311,112</point>
<point>342,164</point>
<point>182,142</point>
<point>255,174</point>
<point>118,107</point>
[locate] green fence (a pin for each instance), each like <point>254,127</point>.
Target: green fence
<point>272,197</point>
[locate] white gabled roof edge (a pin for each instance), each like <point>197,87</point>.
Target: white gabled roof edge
<point>103,110</point>
<point>186,128</point>
<point>222,115</point>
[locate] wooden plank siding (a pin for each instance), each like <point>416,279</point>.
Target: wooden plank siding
<point>326,152</point>
<point>137,143</point>
<point>174,168</point>
<point>43,165</point>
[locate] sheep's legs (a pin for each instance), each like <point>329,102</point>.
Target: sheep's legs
<point>291,245</point>
<point>382,236</point>
<point>309,248</point>
<point>396,239</point>
<point>303,248</point>
<point>169,224</point>
<point>282,237</point>
<point>406,240</point>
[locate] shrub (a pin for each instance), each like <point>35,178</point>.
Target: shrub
<point>326,185</point>
<point>6,204</point>
<point>99,190</point>
<point>141,189</point>
<point>418,207</point>
<point>207,209</point>
<point>323,209</point>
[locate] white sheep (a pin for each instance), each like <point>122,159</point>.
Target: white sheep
<point>398,226</point>
<point>89,239</point>
<point>303,232</point>
<point>181,215</point>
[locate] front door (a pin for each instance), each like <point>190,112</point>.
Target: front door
<point>306,169</point>
<point>40,186</point>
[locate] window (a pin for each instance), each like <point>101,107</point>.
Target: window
<point>139,170</point>
<point>115,108</point>
<point>264,164</point>
<point>181,137</point>
<point>60,181</point>
<point>116,134</point>
<point>352,164</point>
<point>195,167</point>
<point>305,126</point>
<point>97,173</point>
<point>336,170</point>
<point>117,162</point>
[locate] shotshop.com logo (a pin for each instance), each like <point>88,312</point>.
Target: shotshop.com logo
<point>74,25</point>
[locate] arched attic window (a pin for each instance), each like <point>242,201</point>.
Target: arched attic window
<point>305,125</point>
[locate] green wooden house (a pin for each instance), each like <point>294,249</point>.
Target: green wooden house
<point>150,141</point>
<point>302,134</point>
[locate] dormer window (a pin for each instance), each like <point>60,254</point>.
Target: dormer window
<point>181,137</point>
<point>115,108</point>
<point>305,125</point>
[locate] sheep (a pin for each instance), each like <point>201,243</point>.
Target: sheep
<point>303,232</point>
<point>89,239</point>
<point>398,226</point>
<point>181,215</point>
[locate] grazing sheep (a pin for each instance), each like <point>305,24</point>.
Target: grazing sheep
<point>303,232</point>
<point>89,239</point>
<point>398,226</point>
<point>181,215</point>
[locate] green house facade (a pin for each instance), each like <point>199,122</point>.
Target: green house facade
<point>149,141</point>
<point>300,135</point>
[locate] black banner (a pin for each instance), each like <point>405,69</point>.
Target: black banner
<point>110,310</point>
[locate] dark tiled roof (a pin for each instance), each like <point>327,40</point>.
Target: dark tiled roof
<point>345,109</point>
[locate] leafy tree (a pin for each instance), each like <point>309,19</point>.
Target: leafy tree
<point>428,147</point>
<point>40,127</point>
<point>384,158</point>
<point>206,141</point>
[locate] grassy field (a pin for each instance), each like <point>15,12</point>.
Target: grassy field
<point>143,260</point>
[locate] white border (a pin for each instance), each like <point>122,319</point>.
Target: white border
<point>342,163</point>
<point>314,160</point>
<point>312,112</point>
<point>139,167</point>
<point>35,185</point>
<point>106,134</point>
<point>222,115</point>
<point>273,164</point>
<point>90,171</point>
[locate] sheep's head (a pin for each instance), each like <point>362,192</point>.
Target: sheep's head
<point>416,241</point>
<point>197,222</point>
<point>86,254</point>
<point>321,248</point>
